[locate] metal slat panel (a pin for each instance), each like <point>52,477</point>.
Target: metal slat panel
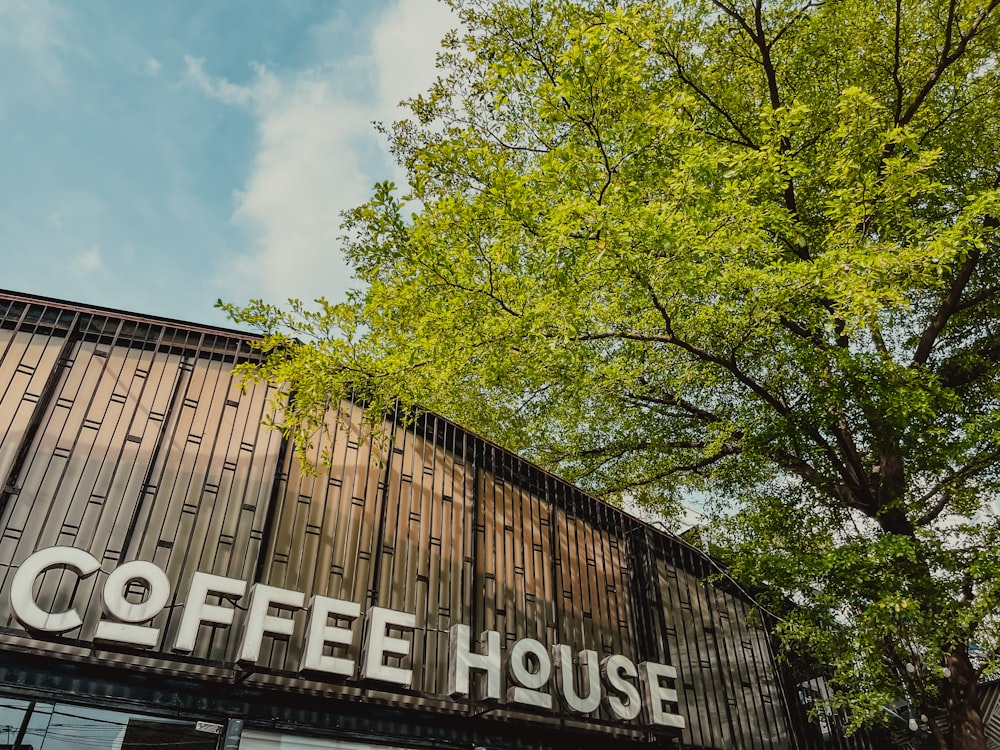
<point>323,535</point>
<point>131,438</point>
<point>26,363</point>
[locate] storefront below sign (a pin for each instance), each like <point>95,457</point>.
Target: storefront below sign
<point>36,725</point>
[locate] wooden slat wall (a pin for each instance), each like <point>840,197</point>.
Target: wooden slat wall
<point>130,438</point>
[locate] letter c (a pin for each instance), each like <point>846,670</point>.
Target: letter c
<point>22,597</point>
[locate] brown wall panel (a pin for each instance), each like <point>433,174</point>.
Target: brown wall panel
<point>84,476</point>
<point>209,495</point>
<point>515,591</point>
<point>132,439</point>
<point>429,499</point>
<point>26,364</point>
<point>323,531</point>
<point>692,647</point>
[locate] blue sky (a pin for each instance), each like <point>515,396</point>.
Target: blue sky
<point>160,155</point>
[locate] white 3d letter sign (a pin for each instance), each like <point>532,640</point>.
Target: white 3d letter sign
<point>125,625</point>
<point>22,597</point>
<point>583,684</point>
<point>462,661</point>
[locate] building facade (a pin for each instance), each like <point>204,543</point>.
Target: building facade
<point>171,577</point>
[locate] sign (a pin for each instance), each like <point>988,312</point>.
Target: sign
<point>625,689</point>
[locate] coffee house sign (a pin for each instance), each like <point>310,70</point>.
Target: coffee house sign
<point>625,689</point>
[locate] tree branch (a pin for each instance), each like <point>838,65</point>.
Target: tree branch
<point>978,463</point>
<point>670,400</point>
<point>724,452</point>
<point>803,333</point>
<point>730,10</point>
<point>840,493</point>
<point>989,293</point>
<point>794,19</point>
<point>744,139</point>
<point>948,307</point>
<point>898,84</point>
<point>770,73</point>
<point>948,56</point>
<point>958,374</point>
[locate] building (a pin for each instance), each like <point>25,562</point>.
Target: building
<point>171,577</point>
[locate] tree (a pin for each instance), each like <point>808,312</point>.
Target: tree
<point>743,248</point>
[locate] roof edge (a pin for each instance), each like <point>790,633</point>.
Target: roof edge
<point>8,294</point>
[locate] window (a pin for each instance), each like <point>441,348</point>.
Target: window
<point>30,725</point>
<point>254,740</point>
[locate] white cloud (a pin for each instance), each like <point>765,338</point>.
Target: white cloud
<point>318,153</point>
<point>88,261</point>
<point>262,92</point>
<point>404,47</point>
<point>153,65</point>
<point>306,171</point>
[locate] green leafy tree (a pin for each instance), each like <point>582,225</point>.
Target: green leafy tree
<point>739,248</point>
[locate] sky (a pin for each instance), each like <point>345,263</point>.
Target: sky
<point>155,157</point>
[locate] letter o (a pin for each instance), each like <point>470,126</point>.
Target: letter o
<point>528,685</point>
<point>113,595</point>
<point>519,655</point>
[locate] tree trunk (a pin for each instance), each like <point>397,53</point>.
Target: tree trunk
<point>962,701</point>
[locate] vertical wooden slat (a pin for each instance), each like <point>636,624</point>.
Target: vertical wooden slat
<point>147,449</point>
